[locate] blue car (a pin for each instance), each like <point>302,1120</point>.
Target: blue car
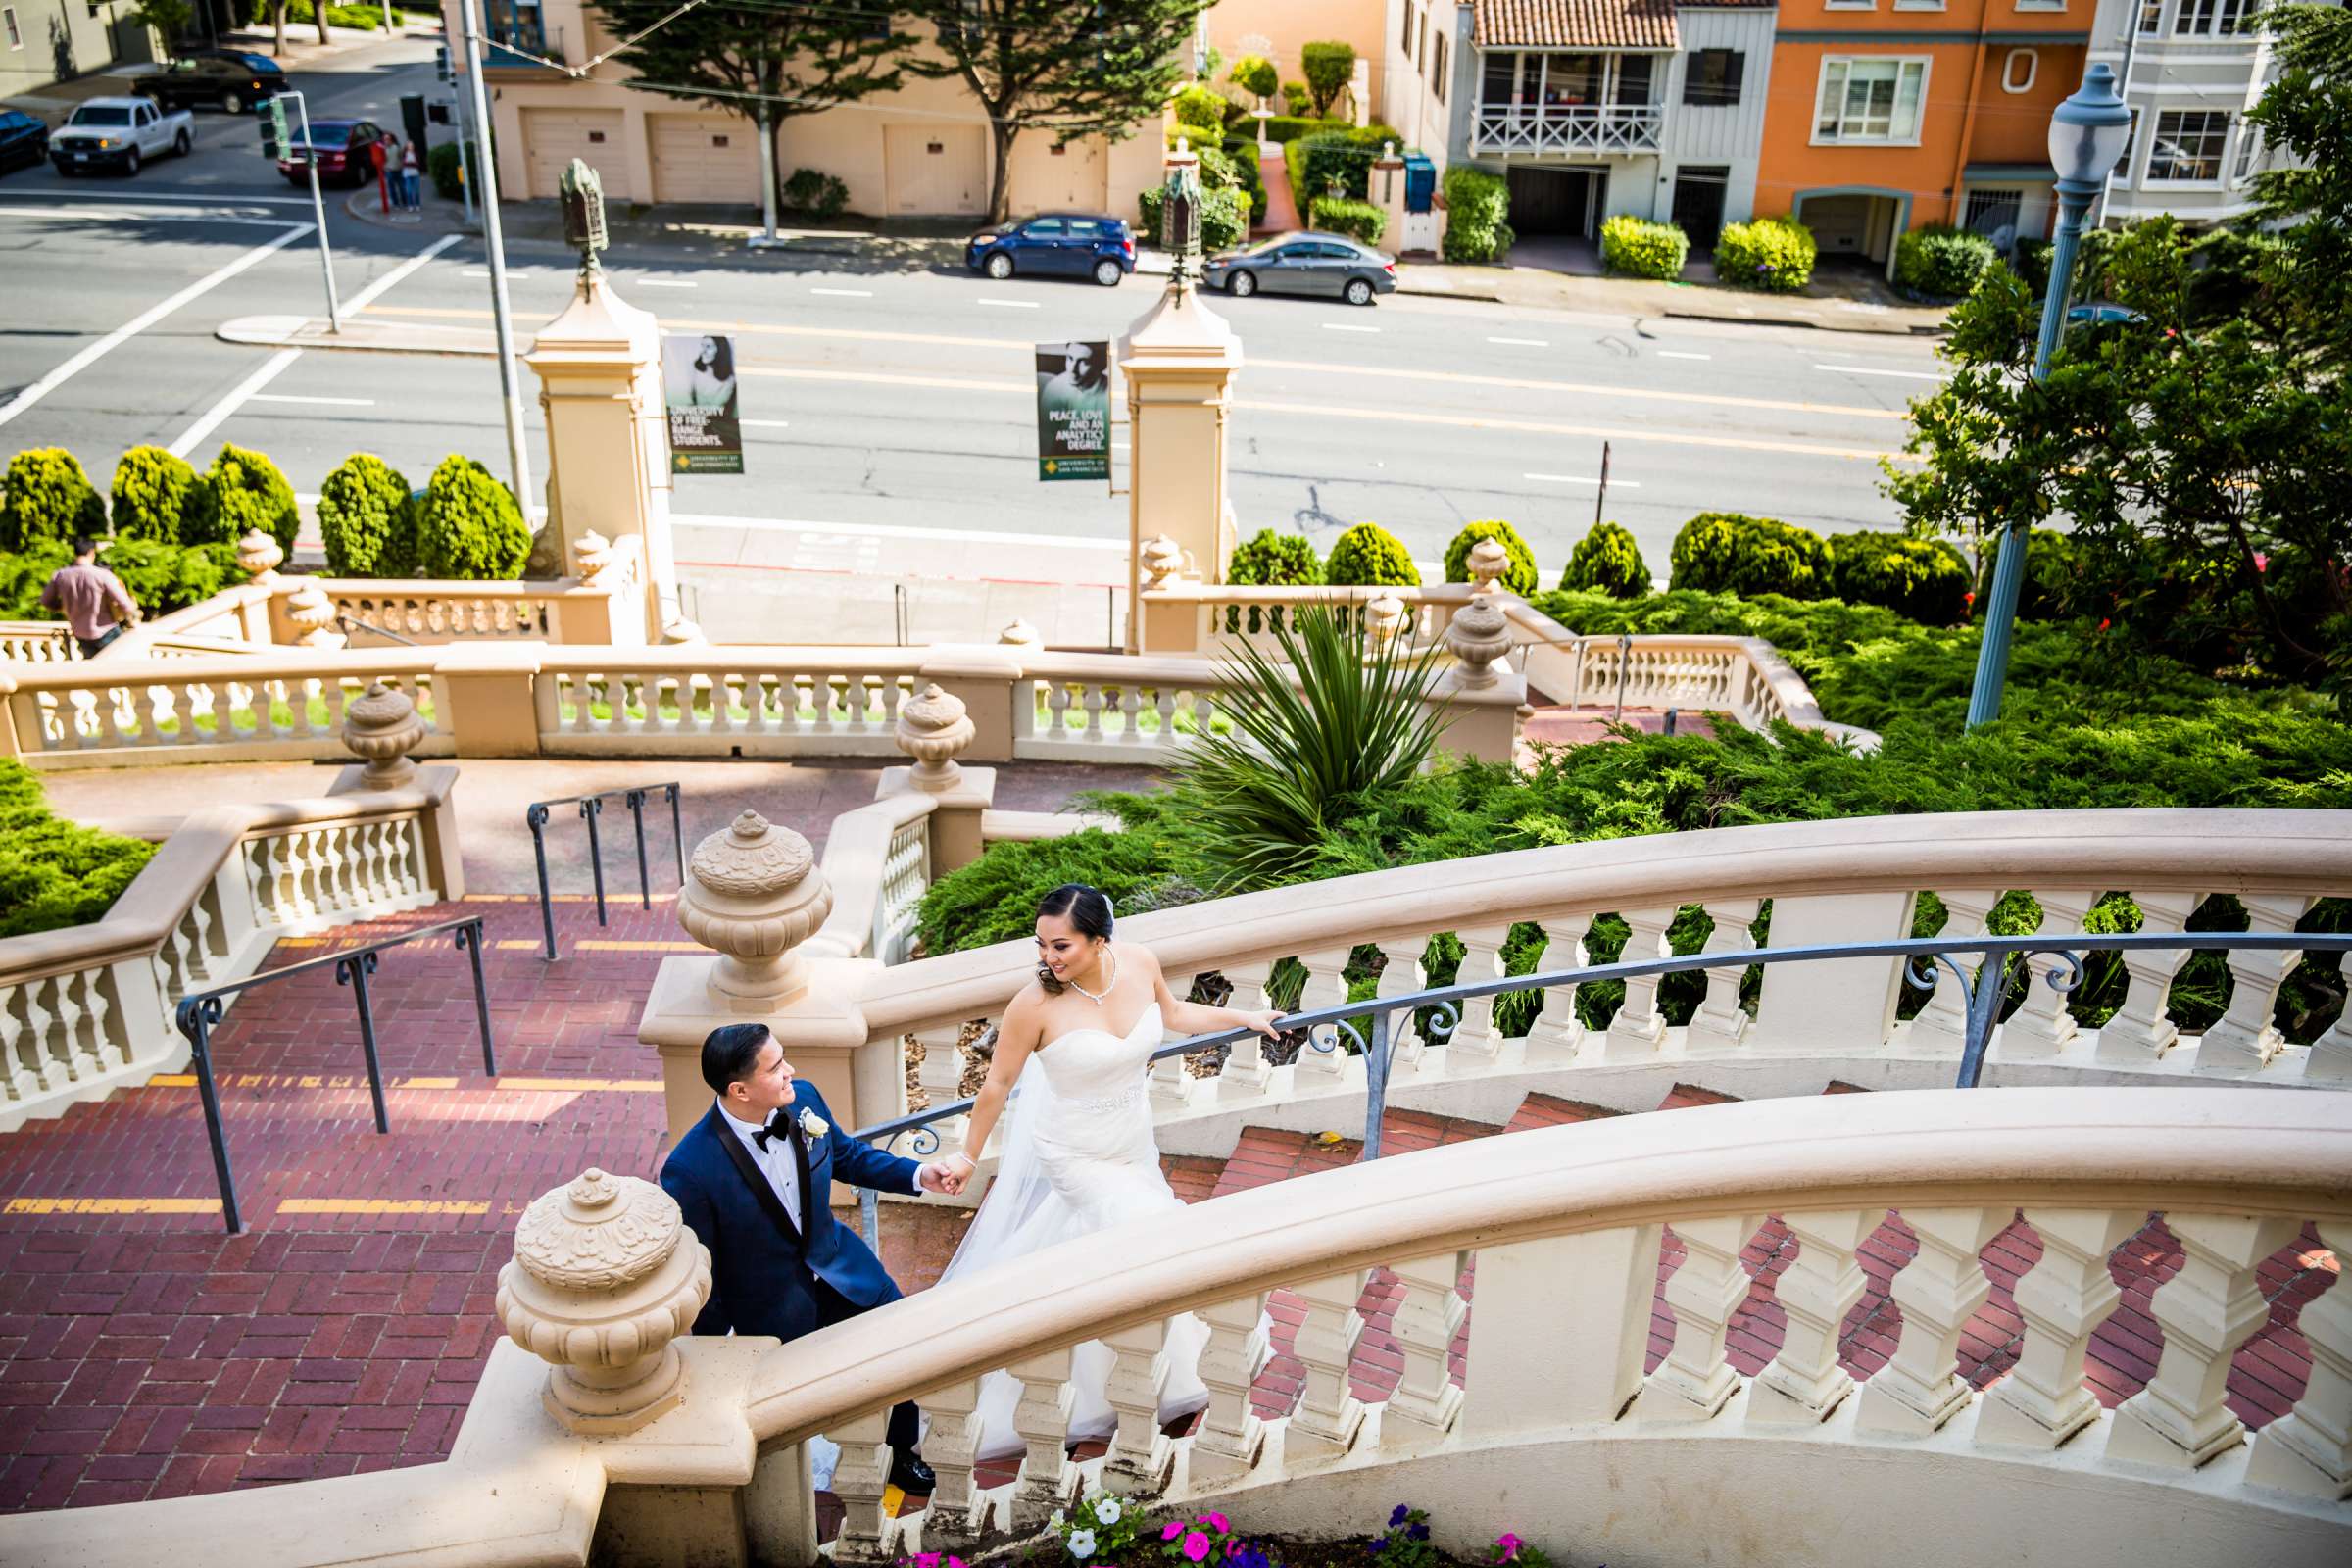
<point>1056,244</point>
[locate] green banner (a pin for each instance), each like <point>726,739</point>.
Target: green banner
<point>1073,411</point>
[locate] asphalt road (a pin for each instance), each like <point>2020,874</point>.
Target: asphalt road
<point>897,399</point>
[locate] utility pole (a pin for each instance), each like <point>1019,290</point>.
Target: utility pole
<point>276,144</point>
<point>519,457</point>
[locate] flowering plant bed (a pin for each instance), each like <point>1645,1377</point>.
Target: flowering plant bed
<point>1105,1531</point>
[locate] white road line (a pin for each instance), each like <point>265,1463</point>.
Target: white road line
<point>759,425</point>
<point>270,369</point>
<point>158,196</point>
<point>1863,370</point>
<point>142,322</point>
<point>1522,342</point>
<point>294,397</point>
<point>1344,326</point>
<point>665,282</point>
<point>883,530</point>
<point>1682,354</point>
<point>484,271</point>
<point>1013,304</point>
<point>846,293</point>
<point>399,274</point>
<point>1578,479</point>
<point>143,214</point>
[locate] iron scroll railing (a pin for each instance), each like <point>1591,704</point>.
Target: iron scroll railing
<point>1926,960</point>
<point>592,807</point>
<point>200,1011</point>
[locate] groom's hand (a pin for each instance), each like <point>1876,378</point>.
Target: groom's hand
<point>936,1176</point>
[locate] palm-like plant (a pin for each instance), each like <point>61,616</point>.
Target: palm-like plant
<point>1314,733</point>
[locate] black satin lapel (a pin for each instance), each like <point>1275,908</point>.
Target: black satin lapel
<point>761,1188</point>
<point>800,1152</point>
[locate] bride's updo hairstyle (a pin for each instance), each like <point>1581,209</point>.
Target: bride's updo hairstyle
<point>1088,909</point>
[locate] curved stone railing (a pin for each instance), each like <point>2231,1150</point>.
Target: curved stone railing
<point>41,642</point>
<point>1557,1423</point>
<point>88,1008</point>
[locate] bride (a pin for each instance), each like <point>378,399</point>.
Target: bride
<point>1077,1154</point>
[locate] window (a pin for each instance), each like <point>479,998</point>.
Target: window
<point>1993,214</point>
<point>2151,16</point>
<point>1713,76</point>
<point>1043,228</point>
<point>1849,5</point>
<point>1496,72</point>
<point>1930,5</point>
<point>2217,18</point>
<point>15,34</point>
<point>2019,70</point>
<point>2189,145</point>
<point>1406,43</point>
<point>1085,228</point>
<point>2249,145</point>
<point>1437,77</point>
<point>1870,99</point>
<point>1633,81</point>
<point>2041,5</point>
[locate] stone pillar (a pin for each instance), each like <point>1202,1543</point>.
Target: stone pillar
<point>380,728</point>
<point>488,697</point>
<point>1388,194</point>
<point>1483,703</point>
<point>605,1276</point>
<point>932,727</point>
<point>608,447</point>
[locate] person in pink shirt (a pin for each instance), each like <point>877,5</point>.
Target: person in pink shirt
<point>96,605</point>
<point>409,196</point>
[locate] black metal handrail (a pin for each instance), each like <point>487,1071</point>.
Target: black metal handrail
<point>199,1012</point>
<point>346,621</point>
<point>592,807</point>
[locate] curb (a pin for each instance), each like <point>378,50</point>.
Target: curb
<point>365,336</point>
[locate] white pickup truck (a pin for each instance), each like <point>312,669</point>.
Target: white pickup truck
<point>120,133</point>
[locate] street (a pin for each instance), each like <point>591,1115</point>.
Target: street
<point>885,402</point>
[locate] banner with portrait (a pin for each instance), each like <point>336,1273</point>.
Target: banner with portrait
<point>1073,411</point>
<point>706,414</point>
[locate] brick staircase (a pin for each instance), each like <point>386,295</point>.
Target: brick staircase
<point>143,1353</point>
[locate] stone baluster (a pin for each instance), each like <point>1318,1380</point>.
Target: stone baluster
<point>1043,1420</point>
<point>1230,1438</point>
<point>1246,1073</point>
<point>1556,1033</point>
<point>860,1477</point>
<point>2330,1058</point>
<point>2308,1450</point>
<point>1140,1458</point>
<point>2063,1298</point>
<point>1326,987</point>
<point>2207,1310</point>
<point>1476,1042</point>
<point>1721,1022</point>
<point>381,727</point>
<point>1402,976</point>
<point>1696,1379</point>
<point>941,1076</point>
<point>951,1520</point>
<point>1170,1083</point>
<point>1804,1383</point>
<point>2042,1026</point>
<point>2246,1037</point>
<point>1940,1026</point>
<point>1920,1388</point>
<point>2142,1029</point>
<point>1383,624</point>
<point>1638,1028</point>
<point>1429,1314</point>
<point>1328,1419</point>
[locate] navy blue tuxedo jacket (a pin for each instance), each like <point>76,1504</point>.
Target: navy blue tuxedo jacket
<point>764,1262</point>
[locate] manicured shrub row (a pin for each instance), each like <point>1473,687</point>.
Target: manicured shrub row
<point>1639,249</point>
<point>1476,204</point>
<point>161,577</point>
<point>368,518</point>
<point>1271,560</point>
<point>54,872</point>
<point>1607,560</point>
<point>1223,220</point>
<point>1335,162</point>
<point>1282,130</point>
<point>1729,552</point>
<point>1339,215</point>
<point>1368,555</point>
<point>1940,262</point>
<point>1772,254</point>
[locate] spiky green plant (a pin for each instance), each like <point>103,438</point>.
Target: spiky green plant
<point>1318,731</point>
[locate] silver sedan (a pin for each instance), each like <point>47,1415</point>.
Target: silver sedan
<point>1330,266</point>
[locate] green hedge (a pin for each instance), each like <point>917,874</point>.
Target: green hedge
<point>1356,220</point>
<point>1222,224</point>
<point>368,518</point>
<point>162,578</point>
<point>1201,105</point>
<point>1255,76</point>
<point>1607,560</point>
<point>1942,262</point>
<point>240,492</point>
<point>1271,560</point>
<point>1924,580</point>
<point>1519,576</point>
<point>1772,254</point>
<point>818,194</point>
<point>1282,130</point>
<point>1368,554</point>
<point>1639,249</point>
<point>1242,152</point>
<point>152,492</point>
<point>46,499</point>
<point>54,872</point>
<point>1729,552</point>
<point>441,166</point>
<point>469,526</point>
<point>1476,204</point>
<point>1329,67</point>
<point>1345,157</point>
<point>1299,99</point>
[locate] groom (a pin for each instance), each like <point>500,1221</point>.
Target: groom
<point>754,1179</point>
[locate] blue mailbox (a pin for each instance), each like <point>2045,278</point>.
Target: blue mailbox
<point>1420,182</point>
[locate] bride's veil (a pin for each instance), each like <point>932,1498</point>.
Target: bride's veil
<point>1020,1187</point>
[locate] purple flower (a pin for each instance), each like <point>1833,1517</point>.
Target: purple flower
<point>1398,1518</point>
<point>1417,1532</point>
<point>1196,1546</point>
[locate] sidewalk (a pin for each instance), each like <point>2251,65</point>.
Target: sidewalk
<point>1841,302</point>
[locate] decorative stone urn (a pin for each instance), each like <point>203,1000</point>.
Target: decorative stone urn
<point>259,555</point>
<point>1477,636</point>
<point>312,615</point>
<point>754,894</point>
<point>932,728</point>
<point>596,561</point>
<point>605,1276</point>
<point>1488,560</point>
<point>1163,560</point>
<point>382,726</point>
<point>1384,622</point>
<point>1018,633</point>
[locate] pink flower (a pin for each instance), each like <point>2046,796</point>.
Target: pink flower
<point>1175,1528</point>
<point>2105,623</point>
<point>1196,1546</point>
<point>1216,1522</point>
<point>1509,1545</point>
<point>2261,563</point>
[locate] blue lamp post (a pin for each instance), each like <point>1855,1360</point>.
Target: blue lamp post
<point>2088,136</point>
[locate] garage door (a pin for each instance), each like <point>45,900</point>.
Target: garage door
<point>1840,224</point>
<point>554,137</point>
<point>1068,176</point>
<point>935,169</point>
<point>705,157</point>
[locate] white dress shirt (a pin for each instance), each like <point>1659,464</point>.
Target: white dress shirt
<point>775,1161</point>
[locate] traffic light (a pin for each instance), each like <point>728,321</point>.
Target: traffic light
<point>441,64</point>
<point>272,118</point>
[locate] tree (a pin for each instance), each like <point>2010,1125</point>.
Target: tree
<point>1329,69</point>
<point>168,17</point>
<point>769,60</point>
<point>2308,112</point>
<point>1068,68</point>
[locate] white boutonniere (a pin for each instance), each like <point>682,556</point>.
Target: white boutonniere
<point>812,1124</point>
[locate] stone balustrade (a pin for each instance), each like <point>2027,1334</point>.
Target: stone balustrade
<point>1535,1259</point>
<point>38,642</point>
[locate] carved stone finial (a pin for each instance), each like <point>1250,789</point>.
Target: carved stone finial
<point>1163,560</point>
<point>1477,636</point>
<point>582,193</point>
<point>1018,633</point>
<point>381,727</point>
<point>259,555</point>
<point>605,1276</point>
<point>678,631</point>
<point>312,615</point>
<point>932,728</point>
<point>754,893</point>
<point>1384,621</point>
<point>596,561</point>
<point>1488,560</point>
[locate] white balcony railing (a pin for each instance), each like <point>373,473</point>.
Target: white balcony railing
<point>1568,128</point>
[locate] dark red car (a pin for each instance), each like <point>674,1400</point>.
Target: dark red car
<point>341,147</point>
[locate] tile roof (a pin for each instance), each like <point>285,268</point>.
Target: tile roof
<point>1576,24</point>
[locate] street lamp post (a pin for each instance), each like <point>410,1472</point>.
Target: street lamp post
<point>2086,138</point>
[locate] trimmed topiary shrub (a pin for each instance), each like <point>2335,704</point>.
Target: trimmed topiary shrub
<point>1476,204</point>
<point>1255,76</point>
<point>367,516</point>
<point>1633,248</point>
<point>152,491</point>
<point>1329,159</point>
<point>1339,214</point>
<point>1925,579</point>
<point>817,193</point>
<point>1271,560</point>
<point>240,492</point>
<point>1519,577</point>
<point>1772,254</point>
<point>1369,555</point>
<point>1729,552</point>
<point>470,527</point>
<point>46,499</point>
<point>1299,99</point>
<point>1607,560</point>
<point>1201,105</point>
<point>1224,224</point>
<point>56,873</point>
<point>1942,262</point>
<point>1327,69</point>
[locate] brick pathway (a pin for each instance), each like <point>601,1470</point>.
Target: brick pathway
<point>1282,208</point>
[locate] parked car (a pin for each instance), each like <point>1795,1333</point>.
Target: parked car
<point>2101,313</point>
<point>230,78</point>
<point>120,133</point>
<point>341,148</point>
<point>1331,265</point>
<point>22,139</point>
<point>1092,245</point>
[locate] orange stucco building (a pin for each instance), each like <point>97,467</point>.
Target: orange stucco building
<point>1890,114</point>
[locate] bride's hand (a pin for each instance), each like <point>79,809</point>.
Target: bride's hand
<point>1262,1023</point>
<point>955,1171</point>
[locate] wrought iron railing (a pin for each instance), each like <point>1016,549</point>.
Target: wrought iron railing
<point>592,807</point>
<point>1984,983</point>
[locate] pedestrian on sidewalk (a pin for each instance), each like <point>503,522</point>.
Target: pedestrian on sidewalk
<point>96,605</point>
<point>411,195</point>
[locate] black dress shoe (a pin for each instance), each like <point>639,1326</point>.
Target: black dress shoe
<point>910,1474</point>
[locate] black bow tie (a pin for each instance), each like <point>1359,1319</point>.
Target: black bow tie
<point>777,1130</point>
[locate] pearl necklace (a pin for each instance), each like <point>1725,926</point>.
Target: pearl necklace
<point>1113,961</point>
